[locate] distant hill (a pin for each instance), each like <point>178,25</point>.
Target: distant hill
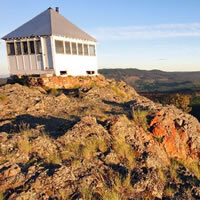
<point>155,80</point>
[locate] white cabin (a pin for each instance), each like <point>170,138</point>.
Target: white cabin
<point>50,44</point>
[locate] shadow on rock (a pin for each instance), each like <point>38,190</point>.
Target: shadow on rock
<point>54,127</point>
<point>126,108</point>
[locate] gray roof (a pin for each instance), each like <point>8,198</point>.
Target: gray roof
<point>49,23</point>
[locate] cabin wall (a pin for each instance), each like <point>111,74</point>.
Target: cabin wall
<point>74,65</point>
<point>31,63</point>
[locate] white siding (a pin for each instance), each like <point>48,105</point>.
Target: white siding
<point>74,64</point>
<point>20,63</point>
<point>12,63</point>
<point>33,62</point>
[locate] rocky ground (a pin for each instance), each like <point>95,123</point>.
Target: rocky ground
<point>99,140</point>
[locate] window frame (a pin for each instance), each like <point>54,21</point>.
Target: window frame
<point>23,48</point>
<point>38,48</point>
<point>18,49</point>
<point>94,52</point>
<point>73,52</point>
<point>30,49</point>
<point>70,49</point>
<point>11,51</point>
<point>80,50</point>
<point>56,49</point>
<point>85,50</point>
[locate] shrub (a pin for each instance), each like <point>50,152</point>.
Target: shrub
<point>181,101</point>
<point>195,100</point>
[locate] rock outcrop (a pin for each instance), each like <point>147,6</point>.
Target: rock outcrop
<point>95,140</point>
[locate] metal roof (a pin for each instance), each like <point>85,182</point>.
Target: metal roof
<point>49,23</point>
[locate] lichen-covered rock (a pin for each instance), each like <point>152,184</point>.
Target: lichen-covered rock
<point>93,138</point>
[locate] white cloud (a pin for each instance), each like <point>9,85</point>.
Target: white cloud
<point>147,32</point>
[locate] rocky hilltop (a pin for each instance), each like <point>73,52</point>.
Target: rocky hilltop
<point>94,138</point>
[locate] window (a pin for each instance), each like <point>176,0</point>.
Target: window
<point>11,48</point>
<point>59,47</point>
<point>32,47</point>
<point>74,49</point>
<point>25,48</point>
<point>18,48</point>
<point>38,47</point>
<point>80,49</point>
<point>92,50</point>
<point>85,48</point>
<point>67,48</point>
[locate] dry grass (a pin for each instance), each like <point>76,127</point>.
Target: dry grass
<point>119,92</point>
<point>173,169</point>
<point>76,163</point>
<point>24,145</point>
<point>93,145</point>
<point>85,149</point>
<point>54,91</point>
<point>53,158</point>
<point>110,194</point>
<point>64,193</point>
<point>121,188</point>
<point>193,167</point>
<point>86,192</point>
<point>169,191</point>
<point>124,151</point>
<point>3,98</point>
<point>140,118</point>
<point>75,86</point>
<point>1,196</point>
<point>71,151</point>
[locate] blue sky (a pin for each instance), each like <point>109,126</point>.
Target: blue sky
<point>144,34</point>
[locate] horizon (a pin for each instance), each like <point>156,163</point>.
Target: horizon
<point>128,34</point>
<point>120,68</point>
